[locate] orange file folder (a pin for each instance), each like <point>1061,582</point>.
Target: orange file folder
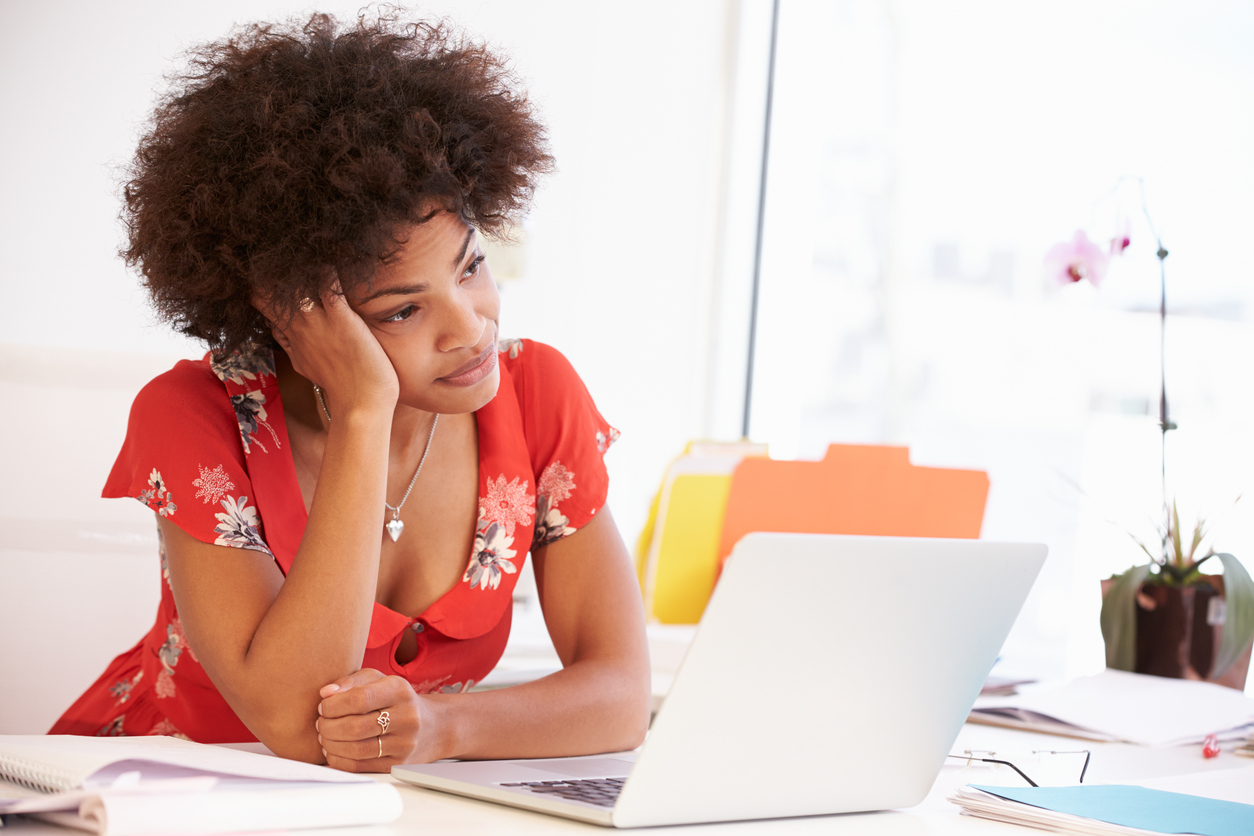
<point>855,489</point>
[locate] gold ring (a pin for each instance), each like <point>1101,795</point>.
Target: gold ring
<point>306,305</point>
<point>380,745</point>
<point>384,721</point>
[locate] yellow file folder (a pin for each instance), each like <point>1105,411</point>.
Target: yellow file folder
<point>677,554</point>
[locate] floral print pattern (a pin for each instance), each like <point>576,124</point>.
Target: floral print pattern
<point>238,526</point>
<point>551,524</point>
<point>431,686</point>
<point>250,414</point>
<point>251,364</point>
<point>113,729</point>
<point>123,687</point>
<point>491,556</point>
<point>512,346</point>
<point>164,726</point>
<point>243,365</point>
<point>557,484</point>
<point>212,485</point>
<point>437,686</point>
<point>157,496</point>
<point>508,504</point>
<point>169,654</point>
<point>165,561</point>
<point>604,441</point>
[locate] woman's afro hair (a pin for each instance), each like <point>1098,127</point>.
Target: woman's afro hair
<point>289,156</point>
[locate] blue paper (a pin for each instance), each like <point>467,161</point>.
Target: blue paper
<point>1153,810</point>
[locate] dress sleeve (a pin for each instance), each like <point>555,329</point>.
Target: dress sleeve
<point>566,439</point>
<point>183,458</point>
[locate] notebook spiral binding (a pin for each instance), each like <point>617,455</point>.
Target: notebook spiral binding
<point>35,776</point>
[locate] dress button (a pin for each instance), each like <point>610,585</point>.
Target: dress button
<point>417,627</point>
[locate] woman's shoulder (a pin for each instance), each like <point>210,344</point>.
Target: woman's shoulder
<point>190,393</point>
<point>188,383</point>
<point>531,360</point>
<point>192,385</point>
<point>552,397</point>
<point>180,421</point>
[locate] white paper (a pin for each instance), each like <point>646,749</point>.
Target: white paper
<point>84,757</point>
<point>1147,710</point>
<point>208,805</point>
<point>1220,784</point>
<point>188,788</point>
<point>229,809</point>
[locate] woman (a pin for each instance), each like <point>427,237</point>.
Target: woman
<point>348,484</point>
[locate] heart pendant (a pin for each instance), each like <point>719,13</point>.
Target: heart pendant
<point>395,527</point>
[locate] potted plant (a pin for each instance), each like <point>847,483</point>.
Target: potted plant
<point>1165,617</point>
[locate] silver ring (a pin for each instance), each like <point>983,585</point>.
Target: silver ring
<point>306,305</point>
<point>384,721</point>
<point>380,745</point>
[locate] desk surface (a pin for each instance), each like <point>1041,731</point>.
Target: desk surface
<point>427,811</point>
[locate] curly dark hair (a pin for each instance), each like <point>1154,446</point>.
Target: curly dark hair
<point>288,156</point>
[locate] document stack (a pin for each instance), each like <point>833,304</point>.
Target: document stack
<point>136,786</point>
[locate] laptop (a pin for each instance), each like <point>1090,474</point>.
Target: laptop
<point>829,674</point>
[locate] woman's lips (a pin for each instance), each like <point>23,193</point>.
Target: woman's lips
<point>474,371</point>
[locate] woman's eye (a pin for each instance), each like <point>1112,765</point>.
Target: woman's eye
<point>403,314</point>
<point>473,267</point>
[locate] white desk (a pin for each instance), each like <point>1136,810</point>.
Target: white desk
<point>433,812</point>
<point>430,812</point>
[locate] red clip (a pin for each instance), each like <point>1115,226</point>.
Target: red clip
<point>1210,746</point>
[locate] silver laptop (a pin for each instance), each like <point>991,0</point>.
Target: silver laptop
<point>829,674</point>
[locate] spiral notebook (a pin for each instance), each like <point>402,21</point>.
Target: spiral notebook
<point>134,786</point>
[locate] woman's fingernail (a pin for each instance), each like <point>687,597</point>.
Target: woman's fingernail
<point>329,689</point>
<point>319,709</point>
<point>319,740</point>
<point>324,754</point>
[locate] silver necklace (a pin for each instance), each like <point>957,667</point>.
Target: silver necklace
<point>395,525</point>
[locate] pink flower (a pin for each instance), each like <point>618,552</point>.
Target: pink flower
<point>1121,241</point>
<point>1077,259</point>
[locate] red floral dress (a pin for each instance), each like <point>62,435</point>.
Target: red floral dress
<point>207,449</point>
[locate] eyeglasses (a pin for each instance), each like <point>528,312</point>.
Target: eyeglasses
<point>1036,760</point>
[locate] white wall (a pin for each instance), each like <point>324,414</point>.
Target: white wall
<point>620,266</point>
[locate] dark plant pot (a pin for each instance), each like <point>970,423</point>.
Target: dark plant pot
<point>1174,636</point>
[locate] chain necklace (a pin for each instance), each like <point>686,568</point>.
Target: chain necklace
<point>396,525</point>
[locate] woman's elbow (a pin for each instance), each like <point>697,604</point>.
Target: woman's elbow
<point>289,738</point>
<point>636,712</point>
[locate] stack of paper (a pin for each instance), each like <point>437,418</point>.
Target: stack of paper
<point>134,786</point>
<point>1209,804</point>
<point>1116,705</point>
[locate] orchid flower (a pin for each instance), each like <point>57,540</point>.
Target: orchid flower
<point>1122,240</point>
<point>1076,260</point>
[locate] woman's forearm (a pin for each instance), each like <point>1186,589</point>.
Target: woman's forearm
<point>315,629</point>
<point>591,706</point>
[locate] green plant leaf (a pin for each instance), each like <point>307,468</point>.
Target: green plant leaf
<point>1119,618</point>
<point>1239,621</point>
<point>1174,526</point>
<point>1199,534</point>
<point>1144,547</point>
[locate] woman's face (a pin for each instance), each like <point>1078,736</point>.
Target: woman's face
<point>434,309</point>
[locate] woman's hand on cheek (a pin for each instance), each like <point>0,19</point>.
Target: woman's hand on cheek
<point>332,346</point>
<point>351,734</point>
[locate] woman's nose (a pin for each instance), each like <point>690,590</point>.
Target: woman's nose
<point>463,326</point>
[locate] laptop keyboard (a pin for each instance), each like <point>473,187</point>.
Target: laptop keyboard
<point>602,792</point>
